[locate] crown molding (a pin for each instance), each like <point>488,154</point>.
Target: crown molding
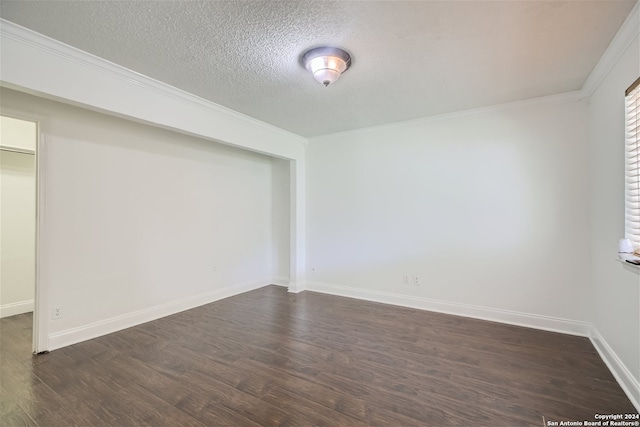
<point>562,98</point>
<point>620,43</point>
<point>70,54</point>
<point>622,40</point>
<point>628,31</point>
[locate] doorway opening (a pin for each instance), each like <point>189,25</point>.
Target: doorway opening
<point>18,231</point>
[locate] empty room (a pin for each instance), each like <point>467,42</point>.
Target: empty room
<point>322,213</point>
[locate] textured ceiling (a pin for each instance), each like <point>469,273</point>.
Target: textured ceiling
<point>411,59</point>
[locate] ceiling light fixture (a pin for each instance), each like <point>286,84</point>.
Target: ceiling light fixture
<point>326,63</point>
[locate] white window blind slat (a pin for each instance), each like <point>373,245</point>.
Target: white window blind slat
<point>632,164</point>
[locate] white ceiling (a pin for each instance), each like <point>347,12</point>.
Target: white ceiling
<point>411,59</point>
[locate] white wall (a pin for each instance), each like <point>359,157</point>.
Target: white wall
<point>615,287</point>
<point>17,218</point>
<point>487,209</point>
<point>138,217</point>
<point>281,185</point>
<point>90,82</point>
<point>16,133</point>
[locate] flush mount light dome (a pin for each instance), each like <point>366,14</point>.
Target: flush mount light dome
<point>326,63</point>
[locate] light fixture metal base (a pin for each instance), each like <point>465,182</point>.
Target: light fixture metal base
<point>326,63</point>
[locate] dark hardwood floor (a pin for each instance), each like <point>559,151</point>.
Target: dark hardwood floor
<point>270,358</point>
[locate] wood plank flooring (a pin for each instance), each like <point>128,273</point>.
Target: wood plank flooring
<point>270,358</point>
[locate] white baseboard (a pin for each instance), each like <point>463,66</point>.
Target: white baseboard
<point>118,323</point>
<point>280,281</point>
<point>12,309</point>
<point>535,321</point>
<point>296,287</point>
<point>628,383</point>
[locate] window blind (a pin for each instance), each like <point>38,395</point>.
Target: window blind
<point>632,164</point>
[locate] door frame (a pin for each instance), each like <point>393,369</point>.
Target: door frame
<point>40,331</point>
<point>41,295</point>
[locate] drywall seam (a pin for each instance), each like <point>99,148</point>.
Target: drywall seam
<point>15,308</point>
<point>627,382</point>
<point>535,321</point>
<point>118,323</point>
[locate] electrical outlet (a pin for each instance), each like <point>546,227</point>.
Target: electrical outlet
<point>416,280</point>
<point>56,312</point>
<point>405,279</point>
<point>215,269</point>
